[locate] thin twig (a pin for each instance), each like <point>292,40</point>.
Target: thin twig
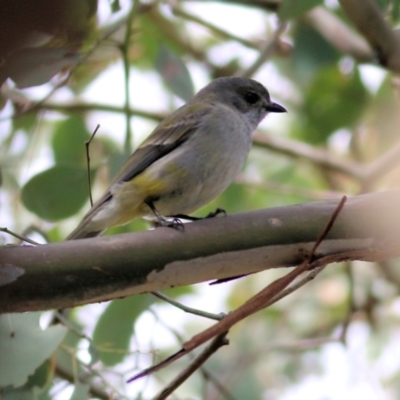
<point>265,53</point>
<point>25,239</point>
<point>340,35</point>
<point>292,288</point>
<point>87,144</point>
<point>83,107</point>
<point>169,30</point>
<point>67,323</point>
<point>206,373</point>
<point>218,342</point>
<point>381,166</point>
<point>94,390</point>
<point>72,377</point>
<point>194,311</point>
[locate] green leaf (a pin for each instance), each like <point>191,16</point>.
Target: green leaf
<point>174,72</point>
<point>114,328</point>
<point>295,8</point>
<point>396,11</point>
<point>41,376</point>
<point>69,141</point>
<point>17,394</point>
<point>81,392</point>
<point>334,100</point>
<point>56,193</point>
<point>115,6</point>
<point>154,29</point>
<point>148,39</point>
<point>25,122</point>
<point>24,346</point>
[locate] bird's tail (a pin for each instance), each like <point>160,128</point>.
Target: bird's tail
<point>82,232</point>
<point>94,225</point>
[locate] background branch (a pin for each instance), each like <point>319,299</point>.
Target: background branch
<point>368,19</point>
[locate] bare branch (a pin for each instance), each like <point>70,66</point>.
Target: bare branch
<point>340,35</point>
<point>381,166</point>
<point>67,274</point>
<point>218,342</point>
<point>302,150</point>
<point>368,19</point>
<point>20,237</point>
<point>84,107</point>
<point>266,52</point>
<point>187,309</point>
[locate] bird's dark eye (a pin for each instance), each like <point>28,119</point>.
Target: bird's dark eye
<point>251,97</point>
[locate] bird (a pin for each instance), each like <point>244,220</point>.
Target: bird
<point>190,158</point>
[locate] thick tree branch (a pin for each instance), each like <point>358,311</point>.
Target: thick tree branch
<point>368,19</point>
<point>84,271</point>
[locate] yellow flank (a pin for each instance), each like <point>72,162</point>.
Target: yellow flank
<point>150,186</point>
<point>131,195</point>
<point>147,186</point>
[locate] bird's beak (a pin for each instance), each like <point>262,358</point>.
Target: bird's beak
<point>274,107</point>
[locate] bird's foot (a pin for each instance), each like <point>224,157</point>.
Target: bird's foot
<point>190,218</point>
<point>216,213</point>
<point>175,223</point>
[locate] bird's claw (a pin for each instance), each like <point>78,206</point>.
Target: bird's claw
<point>175,223</point>
<point>216,213</point>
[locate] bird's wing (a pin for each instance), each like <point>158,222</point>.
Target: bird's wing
<point>166,137</point>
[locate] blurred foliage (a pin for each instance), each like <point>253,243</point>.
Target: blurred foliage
<point>174,73</point>
<point>311,52</point>
<point>56,193</point>
<point>333,100</point>
<point>121,314</point>
<point>292,9</point>
<point>347,318</point>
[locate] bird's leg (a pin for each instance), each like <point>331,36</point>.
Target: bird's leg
<point>176,223</point>
<point>210,215</point>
